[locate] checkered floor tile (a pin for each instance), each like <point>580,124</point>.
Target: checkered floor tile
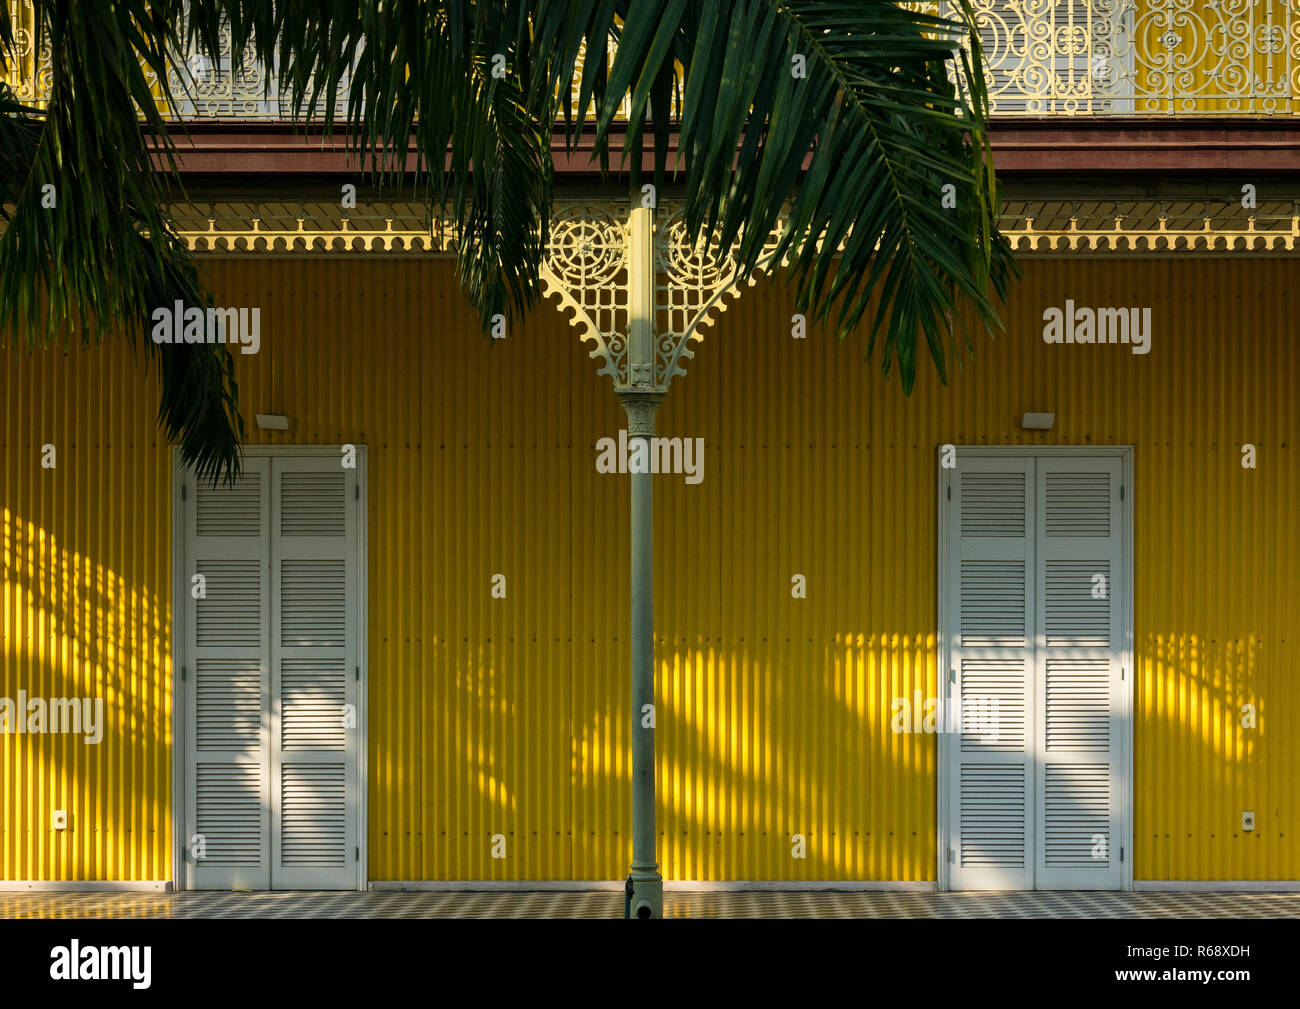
<point>609,904</point>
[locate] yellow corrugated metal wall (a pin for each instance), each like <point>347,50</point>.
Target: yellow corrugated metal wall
<point>86,613</point>
<point>509,716</point>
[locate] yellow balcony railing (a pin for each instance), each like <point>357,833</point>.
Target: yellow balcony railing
<point>1043,58</point>
<point>1141,57</point>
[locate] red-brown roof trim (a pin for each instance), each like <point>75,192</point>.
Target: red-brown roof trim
<point>1037,147</point>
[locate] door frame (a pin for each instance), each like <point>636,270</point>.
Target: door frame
<point>180,584</point>
<point>944,650</point>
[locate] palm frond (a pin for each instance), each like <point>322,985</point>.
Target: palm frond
<point>86,251</point>
<point>454,79</point>
<point>855,151</point>
<point>846,117</point>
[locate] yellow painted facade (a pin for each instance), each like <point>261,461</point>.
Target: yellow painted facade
<point>511,716</point>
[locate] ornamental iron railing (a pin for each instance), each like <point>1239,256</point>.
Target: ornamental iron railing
<point>1042,58</point>
<point>1140,57</point>
<point>202,88</point>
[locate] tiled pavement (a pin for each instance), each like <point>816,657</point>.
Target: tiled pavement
<point>609,904</point>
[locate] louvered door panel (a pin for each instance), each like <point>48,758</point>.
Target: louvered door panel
<point>313,602</point>
<point>1077,673</point>
<point>313,829</point>
<point>227,703</point>
<point>312,693</point>
<point>1076,820</point>
<point>993,715</point>
<point>991,682</point>
<point>314,662</point>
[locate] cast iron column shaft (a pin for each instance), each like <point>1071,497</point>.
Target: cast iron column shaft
<point>641,402</point>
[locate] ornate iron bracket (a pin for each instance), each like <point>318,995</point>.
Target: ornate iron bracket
<point>587,268</point>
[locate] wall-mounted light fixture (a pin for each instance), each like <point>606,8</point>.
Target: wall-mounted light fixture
<point>1038,421</point>
<point>273,422</point>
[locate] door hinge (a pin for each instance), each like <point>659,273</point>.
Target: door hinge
<point>185,854</point>
<point>356,672</point>
<point>356,491</point>
<point>182,672</point>
<point>356,854</point>
<point>1122,672</point>
<point>952,674</point>
<point>182,492</point>
<point>1121,854</point>
<point>1121,492</point>
<point>950,492</point>
<point>951,856</point>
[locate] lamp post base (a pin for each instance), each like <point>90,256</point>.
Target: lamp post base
<point>646,894</point>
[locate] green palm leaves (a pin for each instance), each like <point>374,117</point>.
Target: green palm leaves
<point>85,250</point>
<point>845,117</point>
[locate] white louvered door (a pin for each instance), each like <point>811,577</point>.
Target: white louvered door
<point>991,675</point>
<point>1078,670</point>
<point>1036,711</point>
<point>227,808</point>
<point>314,668</point>
<point>272,706</point>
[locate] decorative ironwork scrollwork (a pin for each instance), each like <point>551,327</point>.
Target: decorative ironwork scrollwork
<point>1042,58</point>
<point>1145,57</point>
<point>586,268</point>
<point>694,279</point>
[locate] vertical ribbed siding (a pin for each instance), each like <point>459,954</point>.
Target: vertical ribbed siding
<point>495,718</point>
<point>511,716</point>
<point>86,613</point>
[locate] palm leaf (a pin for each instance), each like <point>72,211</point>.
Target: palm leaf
<point>424,72</point>
<point>856,152</point>
<point>102,257</point>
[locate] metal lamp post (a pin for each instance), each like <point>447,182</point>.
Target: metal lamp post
<point>641,402</point>
<point>671,279</point>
